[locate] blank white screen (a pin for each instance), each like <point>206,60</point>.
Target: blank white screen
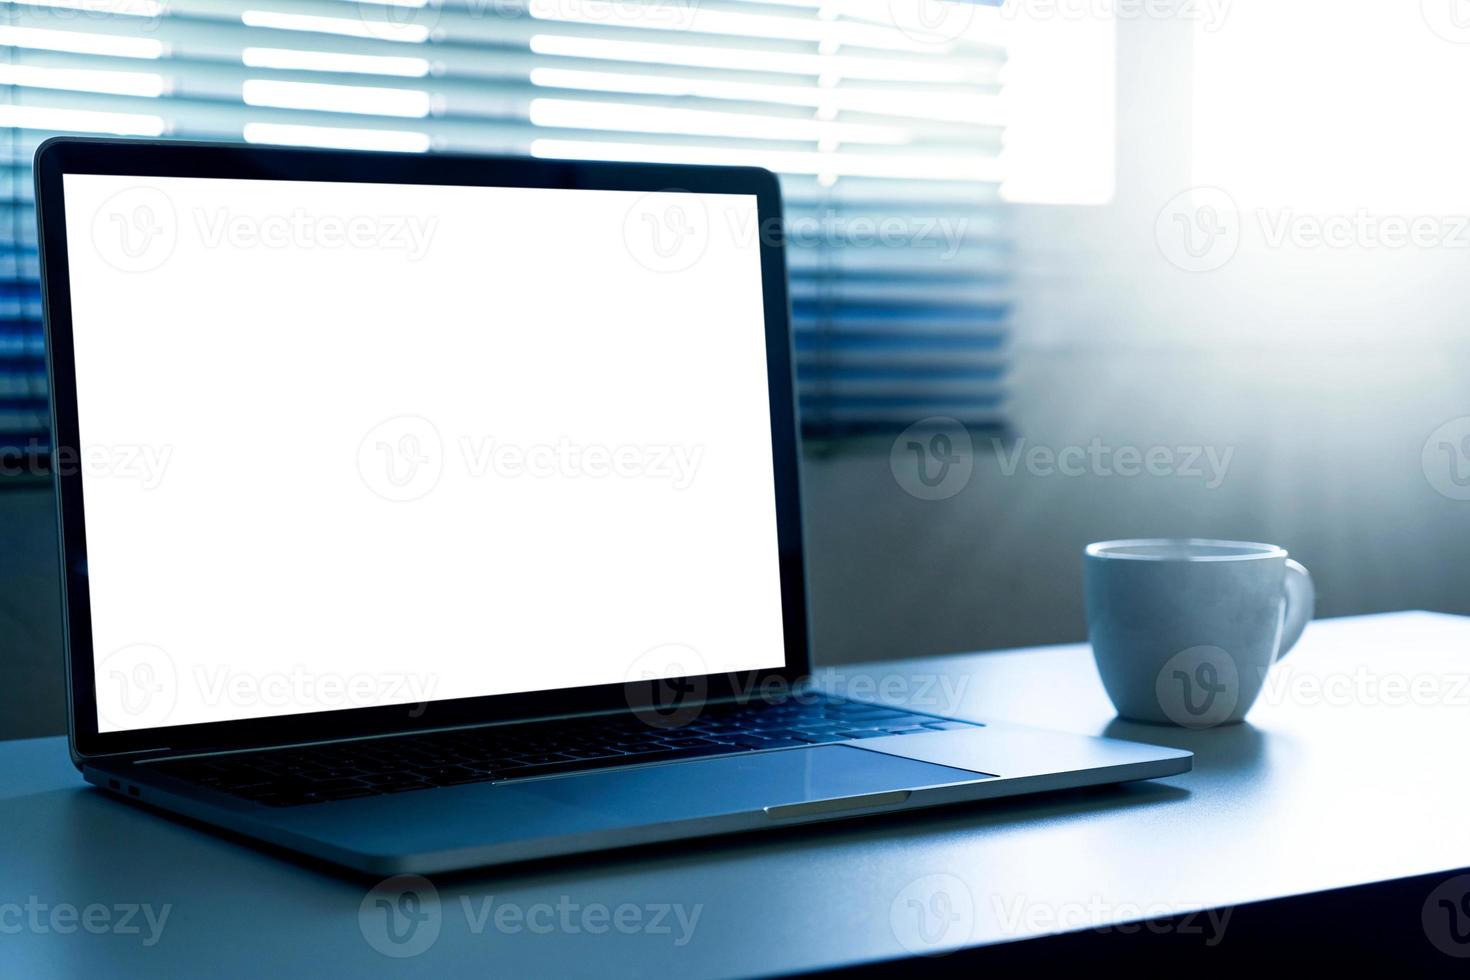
<point>349,444</point>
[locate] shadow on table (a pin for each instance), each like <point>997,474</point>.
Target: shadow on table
<point>1223,749</point>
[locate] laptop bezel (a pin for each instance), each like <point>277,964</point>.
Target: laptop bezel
<point>144,158</point>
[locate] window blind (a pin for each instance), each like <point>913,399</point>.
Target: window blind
<point>884,119</point>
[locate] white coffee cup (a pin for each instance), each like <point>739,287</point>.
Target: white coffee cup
<point>1185,630</point>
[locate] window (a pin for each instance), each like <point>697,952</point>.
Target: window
<point>1059,89</point>
<point>884,118</point>
<point>1335,105</point>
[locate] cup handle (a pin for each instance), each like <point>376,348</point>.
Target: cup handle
<point>1301,602</point>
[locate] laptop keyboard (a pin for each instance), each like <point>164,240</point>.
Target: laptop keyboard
<point>346,770</point>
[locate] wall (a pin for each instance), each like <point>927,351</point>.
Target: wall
<point>1322,371</point>
<point>32,693</point>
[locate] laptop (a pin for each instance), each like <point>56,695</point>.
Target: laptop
<point>426,512</point>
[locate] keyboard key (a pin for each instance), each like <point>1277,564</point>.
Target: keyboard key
<point>241,782</point>
<point>335,784</point>
<point>456,776</point>
<point>282,799</point>
<point>875,714</point>
<point>343,793</point>
<point>197,774</point>
<point>578,765</point>
<point>436,774</point>
<point>393,779</point>
<point>498,765</point>
<point>761,742</point>
<point>819,726</point>
<point>647,745</point>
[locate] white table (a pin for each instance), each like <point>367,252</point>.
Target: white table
<point>1351,770</point>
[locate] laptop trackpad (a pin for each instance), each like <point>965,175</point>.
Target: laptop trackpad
<point>787,785</point>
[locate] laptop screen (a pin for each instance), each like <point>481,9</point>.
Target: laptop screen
<point>351,444</point>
